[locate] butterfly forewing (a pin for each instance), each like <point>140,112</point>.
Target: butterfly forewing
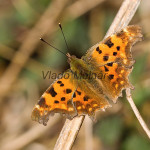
<point>114,59</point>
<point>56,99</point>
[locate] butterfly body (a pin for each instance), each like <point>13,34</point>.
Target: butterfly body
<point>93,80</point>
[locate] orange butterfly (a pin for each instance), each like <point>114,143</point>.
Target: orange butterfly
<point>91,81</point>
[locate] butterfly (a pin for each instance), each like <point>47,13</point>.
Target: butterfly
<point>92,81</point>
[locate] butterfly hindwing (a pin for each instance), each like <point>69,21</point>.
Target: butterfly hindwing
<point>115,80</point>
<point>88,102</point>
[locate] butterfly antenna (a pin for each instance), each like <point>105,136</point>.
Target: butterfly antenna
<point>64,36</point>
<point>52,46</point>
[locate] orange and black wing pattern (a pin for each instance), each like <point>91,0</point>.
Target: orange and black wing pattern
<point>88,102</point>
<point>115,48</point>
<point>56,99</point>
<point>69,97</point>
<point>113,58</point>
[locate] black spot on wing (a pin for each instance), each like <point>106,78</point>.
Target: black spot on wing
<point>111,76</point>
<point>98,50</point>
<point>68,91</point>
<point>85,98</point>
<point>109,43</point>
<point>78,92</point>
<point>105,58</point>
<point>106,69</point>
<point>56,101</point>
<point>118,48</point>
<point>41,102</point>
<point>59,82</point>
<point>110,64</point>
<point>52,92</point>
<point>74,95</point>
<point>114,53</point>
<point>63,98</point>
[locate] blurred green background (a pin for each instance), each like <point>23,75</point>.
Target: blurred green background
<point>23,57</point>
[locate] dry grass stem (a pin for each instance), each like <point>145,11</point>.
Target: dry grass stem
<point>136,112</point>
<point>123,17</point>
<point>88,133</point>
<point>81,8</point>
<point>69,133</point>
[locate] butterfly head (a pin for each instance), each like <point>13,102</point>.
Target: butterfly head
<point>76,65</point>
<point>71,58</point>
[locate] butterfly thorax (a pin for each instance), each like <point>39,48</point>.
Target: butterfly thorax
<point>79,67</point>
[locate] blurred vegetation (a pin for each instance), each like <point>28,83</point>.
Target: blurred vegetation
<point>117,128</point>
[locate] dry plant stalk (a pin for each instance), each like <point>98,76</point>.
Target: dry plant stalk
<point>136,112</point>
<point>80,10</point>
<point>72,127</point>
<point>88,126</point>
<point>69,133</point>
